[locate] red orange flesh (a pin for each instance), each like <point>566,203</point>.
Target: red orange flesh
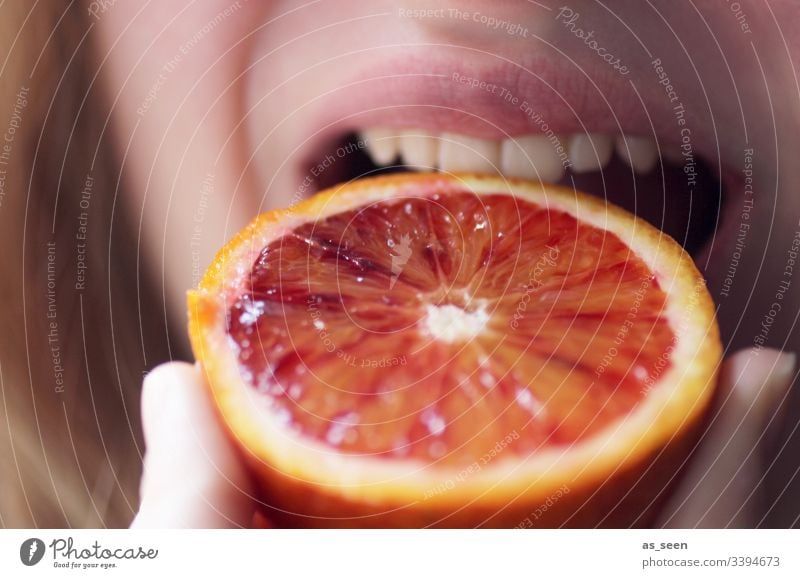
<point>411,328</point>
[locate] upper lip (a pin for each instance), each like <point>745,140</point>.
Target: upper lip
<point>440,94</point>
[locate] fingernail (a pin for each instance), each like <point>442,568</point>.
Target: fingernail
<point>785,366</point>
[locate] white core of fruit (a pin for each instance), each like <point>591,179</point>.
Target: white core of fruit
<point>450,323</point>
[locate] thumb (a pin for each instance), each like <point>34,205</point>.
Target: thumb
<point>721,488</point>
<point>192,477</point>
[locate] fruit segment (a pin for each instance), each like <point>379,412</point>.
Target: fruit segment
<point>430,327</point>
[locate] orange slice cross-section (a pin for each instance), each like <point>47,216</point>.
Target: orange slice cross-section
<point>457,351</point>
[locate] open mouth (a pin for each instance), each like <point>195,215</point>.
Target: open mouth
<point>683,200</point>
<point>584,130</point>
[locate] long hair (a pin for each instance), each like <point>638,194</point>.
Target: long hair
<point>75,341</point>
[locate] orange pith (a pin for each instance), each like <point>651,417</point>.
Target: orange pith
<point>376,343</point>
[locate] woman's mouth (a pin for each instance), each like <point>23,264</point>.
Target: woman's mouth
<point>530,120</point>
<point>623,139</point>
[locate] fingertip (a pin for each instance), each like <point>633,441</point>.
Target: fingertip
<point>193,476</point>
<point>719,487</point>
<point>784,369</point>
<point>164,391</point>
<point>758,378</point>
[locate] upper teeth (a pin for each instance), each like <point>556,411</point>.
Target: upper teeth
<point>464,153</point>
<point>382,145</point>
<point>641,153</point>
<point>530,156</point>
<point>590,152</point>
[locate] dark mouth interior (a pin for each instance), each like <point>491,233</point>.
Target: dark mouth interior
<point>690,215</point>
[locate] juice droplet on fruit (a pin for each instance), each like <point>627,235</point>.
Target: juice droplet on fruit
<point>342,429</point>
<point>526,401</point>
<point>487,380</point>
<point>433,421</point>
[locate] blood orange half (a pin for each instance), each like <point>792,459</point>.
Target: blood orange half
<point>439,350</point>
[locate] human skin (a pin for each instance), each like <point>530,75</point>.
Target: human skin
<point>247,103</point>
<point>235,117</point>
